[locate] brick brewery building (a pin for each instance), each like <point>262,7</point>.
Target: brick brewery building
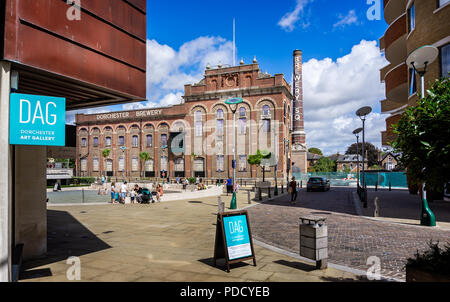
<point>195,138</point>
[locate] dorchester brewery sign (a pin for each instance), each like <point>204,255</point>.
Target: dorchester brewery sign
<point>37,120</point>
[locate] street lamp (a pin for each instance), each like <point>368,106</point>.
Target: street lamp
<point>362,113</point>
<point>288,162</point>
<point>233,103</point>
<point>124,161</point>
<point>419,61</point>
<point>356,133</point>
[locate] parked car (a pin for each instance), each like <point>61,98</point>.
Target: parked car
<point>447,192</point>
<point>318,183</point>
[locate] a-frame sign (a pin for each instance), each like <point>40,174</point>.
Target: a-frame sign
<point>233,238</point>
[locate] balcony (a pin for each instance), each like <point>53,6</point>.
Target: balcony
<point>397,84</point>
<point>395,41</point>
<point>393,9</point>
<point>388,106</point>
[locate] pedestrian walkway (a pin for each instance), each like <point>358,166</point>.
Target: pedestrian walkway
<point>171,241</point>
<point>401,207</point>
<point>352,238</point>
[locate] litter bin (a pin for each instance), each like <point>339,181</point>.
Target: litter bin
<point>314,240</point>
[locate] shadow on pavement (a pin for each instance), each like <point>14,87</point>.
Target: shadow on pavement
<point>296,265</point>
<point>221,264</point>
<point>66,237</point>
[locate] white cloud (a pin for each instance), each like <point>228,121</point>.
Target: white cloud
<point>349,19</point>
<point>334,90</point>
<point>290,19</point>
<point>168,70</point>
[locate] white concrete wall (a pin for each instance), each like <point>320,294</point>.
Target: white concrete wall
<point>30,200</point>
<point>5,175</point>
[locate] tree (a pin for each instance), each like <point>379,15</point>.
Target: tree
<point>315,151</point>
<point>255,160</point>
<point>371,151</point>
<point>144,156</point>
<point>105,154</point>
<point>325,165</point>
<point>424,138</point>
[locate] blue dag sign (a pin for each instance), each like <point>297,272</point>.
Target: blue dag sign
<point>237,237</point>
<point>37,120</point>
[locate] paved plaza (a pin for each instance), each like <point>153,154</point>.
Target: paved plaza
<point>353,238</point>
<point>168,241</point>
<point>174,241</point>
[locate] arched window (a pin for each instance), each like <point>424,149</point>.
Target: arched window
<point>198,123</point>
<point>149,166</point>
<point>266,110</point>
<point>149,140</point>
<point>135,141</point>
<point>108,141</point>
<point>219,114</point>
<point>163,139</point>
<point>242,112</point>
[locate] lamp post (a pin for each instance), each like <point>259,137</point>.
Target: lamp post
<point>356,133</point>
<point>288,162</point>
<point>362,113</point>
<point>233,103</point>
<point>419,61</point>
<point>276,162</point>
<point>124,161</point>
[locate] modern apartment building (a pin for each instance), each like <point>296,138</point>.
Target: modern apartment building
<point>412,24</point>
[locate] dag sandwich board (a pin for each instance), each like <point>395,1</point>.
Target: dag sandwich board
<point>233,238</point>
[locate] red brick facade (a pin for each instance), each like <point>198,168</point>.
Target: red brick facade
<point>262,122</point>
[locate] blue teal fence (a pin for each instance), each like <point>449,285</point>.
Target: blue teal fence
<point>382,179</point>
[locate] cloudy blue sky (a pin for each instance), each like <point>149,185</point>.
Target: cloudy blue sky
<point>340,54</point>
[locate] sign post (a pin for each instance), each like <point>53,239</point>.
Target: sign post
<point>233,238</point>
<point>37,120</point>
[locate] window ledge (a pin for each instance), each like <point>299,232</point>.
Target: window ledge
<point>441,8</point>
<point>410,33</point>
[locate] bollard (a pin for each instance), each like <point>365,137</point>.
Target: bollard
<point>282,189</point>
<point>301,184</point>
<point>248,197</point>
<point>390,187</point>
<point>260,193</point>
<point>275,193</point>
<point>82,195</point>
<point>268,191</point>
<point>376,186</point>
<point>221,205</point>
<point>377,208</point>
<point>314,240</point>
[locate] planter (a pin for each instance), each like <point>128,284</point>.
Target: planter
<point>414,274</point>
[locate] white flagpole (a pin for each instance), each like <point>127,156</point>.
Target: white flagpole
<point>234,42</point>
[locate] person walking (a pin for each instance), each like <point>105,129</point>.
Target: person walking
<point>113,192</point>
<point>159,193</point>
<point>293,190</point>
<point>123,191</point>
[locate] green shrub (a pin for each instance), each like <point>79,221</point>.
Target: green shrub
<point>435,259</point>
<point>83,180</point>
<point>192,180</point>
